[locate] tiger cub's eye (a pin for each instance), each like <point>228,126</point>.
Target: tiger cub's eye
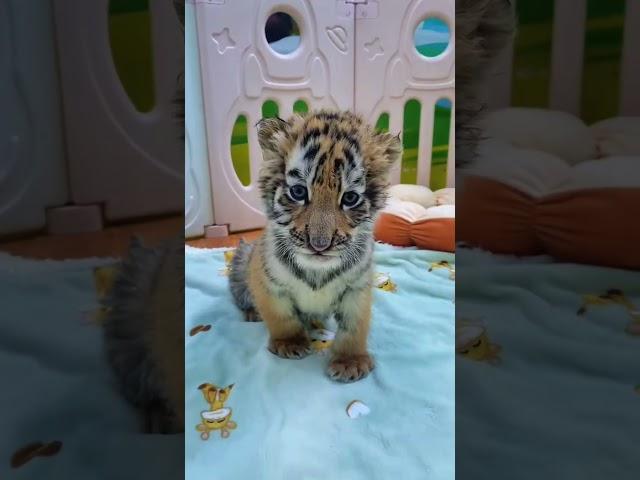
<point>298,193</point>
<point>350,199</point>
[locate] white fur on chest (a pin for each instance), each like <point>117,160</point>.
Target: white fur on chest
<point>321,301</point>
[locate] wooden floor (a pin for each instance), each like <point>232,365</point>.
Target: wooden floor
<point>113,241</point>
<point>231,241</point>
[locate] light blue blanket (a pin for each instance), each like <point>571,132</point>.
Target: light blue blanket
<point>563,402</point>
<point>291,419</point>
<point>56,385</point>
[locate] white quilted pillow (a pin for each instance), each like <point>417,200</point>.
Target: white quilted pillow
<point>617,136</point>
<point>557,133</point>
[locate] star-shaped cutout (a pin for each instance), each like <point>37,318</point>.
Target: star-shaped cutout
<point>223,40</point>
<point>374,49</point>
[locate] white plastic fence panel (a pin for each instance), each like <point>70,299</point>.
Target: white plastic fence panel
<point>389,70</point>
<point>630,91</point>
<point>567,56</point>
<point>147,146</point>
<point>32,167</point>
<point>240,72</point>
<point>198,204</point>
<point>567,63</point>
<point>501,79</point>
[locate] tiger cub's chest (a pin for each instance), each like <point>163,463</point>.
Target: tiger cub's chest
<point>320,301</point>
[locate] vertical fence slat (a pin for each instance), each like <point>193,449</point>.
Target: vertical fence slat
<point>630,78</point>
<point>567,55</point>
<point>451,156</point>
<point>425,141</point>
<point>168,45</point>
<point>286,107</point>
<point>396,116</point>
<point>499,94</point>
<point>255,153</point>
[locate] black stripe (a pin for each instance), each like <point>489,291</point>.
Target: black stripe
<point>341,296</point>
<point>280,252</point>
<point>280,287</point>
<point>337,166</point>
<point>359,218</point>
<point>312,134</point>
<point>349,156</point>
<point>321,160</point>
<point>270,276</point>
<point>303,317</point>
<point>376,193</point>
<point>311,152</point>
<point>353,143</point>
<point>328,116</point>
<point>295,173</point>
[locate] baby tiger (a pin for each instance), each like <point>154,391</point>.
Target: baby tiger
<point>323,179</point>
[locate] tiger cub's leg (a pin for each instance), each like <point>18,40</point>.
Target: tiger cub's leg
<point>288,337</point>
<point>351,361</point>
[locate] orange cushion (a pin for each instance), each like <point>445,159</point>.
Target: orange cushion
<point>407,224</point>
<point>584,214</point>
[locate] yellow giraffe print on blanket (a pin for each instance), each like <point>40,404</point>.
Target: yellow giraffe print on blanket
<point>613,296</point>
<point>228,257</point>
<point>446,265</point>
<point>473,342</point>
<point>383,282</point>
<point>103,278</point>
<point>218,417</point>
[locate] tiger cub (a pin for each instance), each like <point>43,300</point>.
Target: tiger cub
<point>323,179</point>
<point>483,29</point>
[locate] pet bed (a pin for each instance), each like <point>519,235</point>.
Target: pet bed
<point>416,216</point>
<point>544,182</point>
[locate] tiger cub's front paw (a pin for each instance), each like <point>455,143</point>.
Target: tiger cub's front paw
<point>294,347</point>
<point>350,368</point>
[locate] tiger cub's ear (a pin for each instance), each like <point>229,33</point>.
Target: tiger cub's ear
<point>392,148</point>
<point>274,137</point>
<point>385,150</point>
<point>381,151</point>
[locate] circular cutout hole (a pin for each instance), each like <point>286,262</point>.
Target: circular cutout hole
<point>282,33</point>
<point>431,37</point>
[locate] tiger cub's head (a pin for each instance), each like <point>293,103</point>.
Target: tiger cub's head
<point>323,179</point>
<point>483,29</point>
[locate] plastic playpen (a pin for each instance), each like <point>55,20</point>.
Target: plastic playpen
<point>88,87</point>
<point>267,57</point>
<point>348,55</point>
<point>577,50</point>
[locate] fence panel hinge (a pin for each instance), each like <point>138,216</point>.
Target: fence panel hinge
<point>365,8</point>
<point>362,8</point>
<point>210,2</point>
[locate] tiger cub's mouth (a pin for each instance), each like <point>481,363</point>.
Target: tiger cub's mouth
<point>323,256</point>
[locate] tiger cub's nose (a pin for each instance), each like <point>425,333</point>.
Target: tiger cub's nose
<point>319,243</point>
